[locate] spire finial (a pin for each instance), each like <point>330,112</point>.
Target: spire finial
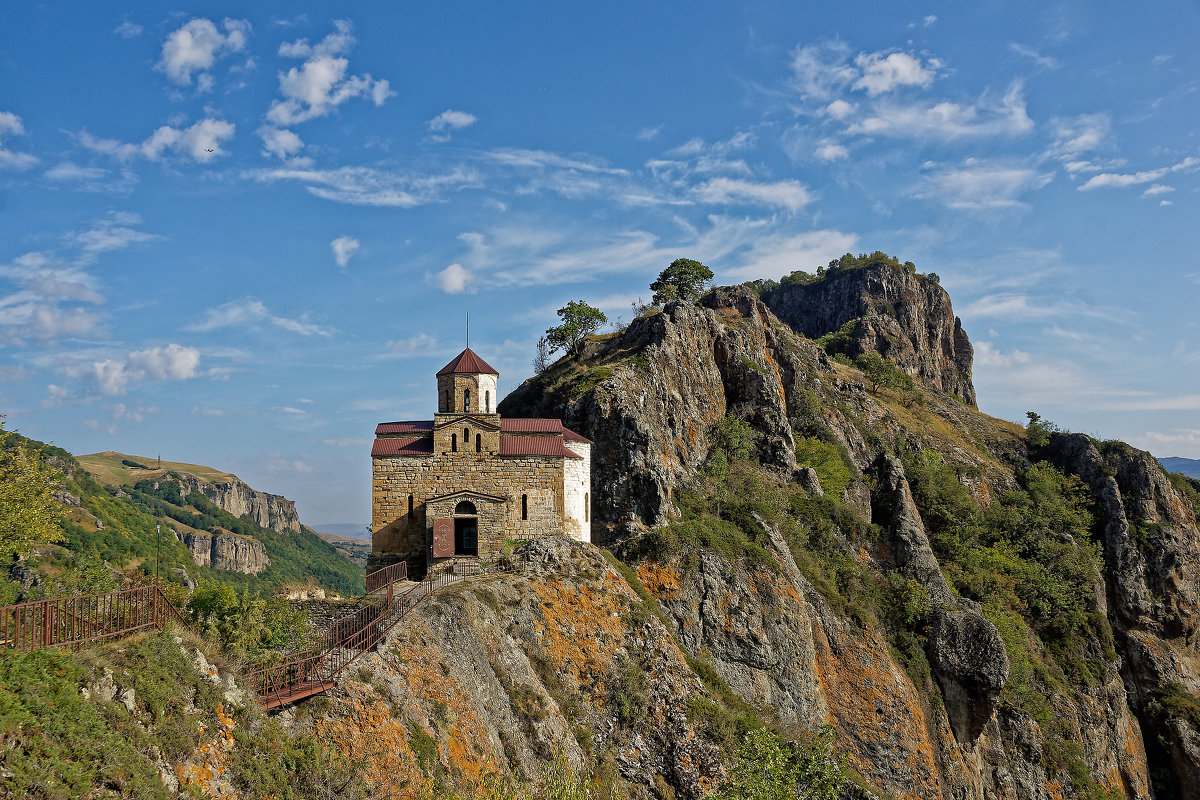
<point>468,330</point>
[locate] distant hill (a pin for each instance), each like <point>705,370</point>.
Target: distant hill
<point>349,530</point>
<point>112,503</point>
<point>1184,466</point>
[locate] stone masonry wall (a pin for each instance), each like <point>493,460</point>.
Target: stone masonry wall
<point>399,536</point>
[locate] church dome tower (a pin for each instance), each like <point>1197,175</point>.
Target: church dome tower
<point>467,385</point>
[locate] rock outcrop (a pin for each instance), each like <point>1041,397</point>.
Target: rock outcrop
<point>900,315</point>
<point>1152,579</point>
<point>267,510</point>
<point>227,552</point>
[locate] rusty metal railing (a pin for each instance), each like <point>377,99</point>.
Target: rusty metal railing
<point>352,635</point>
<point>74,621</point>
<point>386,576</point>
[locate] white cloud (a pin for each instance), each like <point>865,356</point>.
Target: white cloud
<point>280,142</point>
<point>195,47</point>
<point>988,355</point>
<point>788,194</point>
<point>1166,203</point>
<point>839,109</point>
<point>649,134</point>
<point>454,279</point>
<point>451,120</point>
<point>1075,136</point>
<point>1033,55</point>
<point>367,186</point>
<point>1179,442</point>
<point>66,171</point>
<point>1016,306</point>
<point>1118,180</point>
<point>250,313</point>
<point>831,152</point>
<point>128,30</point>
<point>742,140</point>
<point>948,121</point>
<point>111,233</point>
<point>982,185</point>
<point>929,20</point>
<point>820,71</point>
<point>1158,188</point>
<point>10,124</point>
<point>320,84</point>
<point>775,255</point>
<point>113,376</point>
<point>202,141</point>
<point>343,248</point>
<point>880,73</point>
<point>419,345</point>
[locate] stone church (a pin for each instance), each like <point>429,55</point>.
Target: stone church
<point>457,487</point>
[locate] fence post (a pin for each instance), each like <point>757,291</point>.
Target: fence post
<point>46,617</point>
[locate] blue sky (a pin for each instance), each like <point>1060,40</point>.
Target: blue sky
<point>241,235</point>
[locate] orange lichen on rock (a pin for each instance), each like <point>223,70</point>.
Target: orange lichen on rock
<point>368,732</point>
<point>582,627</point>
<point>466,749</point>
<point>207,769</point>
<point>661,581</point>
<point>876,712</point>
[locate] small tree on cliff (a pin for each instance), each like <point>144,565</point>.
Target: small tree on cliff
<point>684,279</point>
<point>28,511</point>
<point>579,320</point>
<point>882,372</point>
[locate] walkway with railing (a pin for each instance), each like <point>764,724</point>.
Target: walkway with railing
<point>74,621</point>
<point>354,634</point>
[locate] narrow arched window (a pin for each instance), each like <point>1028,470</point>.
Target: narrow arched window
<point>410,506</point>
<point>454,443</point>
<point>466,437</point>
<point>466,400</point>
<point>478,443</point>
<point>585,506</point>
<point>487,402</point>
<point>524,506</point>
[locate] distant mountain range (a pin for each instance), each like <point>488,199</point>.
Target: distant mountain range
<point>1184,466</point>
<point>349,530</point>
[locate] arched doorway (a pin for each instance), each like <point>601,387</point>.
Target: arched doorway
<point>466,529</point>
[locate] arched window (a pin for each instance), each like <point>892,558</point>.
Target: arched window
<point>524,506</point>
<point>410,506</point>
<point>487,402</point>
<point>466,400</point>
<point>478,443</point>
<point>465,507</point>
<point>466,437</point>
<point>454,443</point>
<point>585,506</point>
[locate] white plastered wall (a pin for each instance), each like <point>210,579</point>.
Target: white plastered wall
<point>577,491</point>
<point>487,393</point>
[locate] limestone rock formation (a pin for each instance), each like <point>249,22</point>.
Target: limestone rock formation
<point>900,315</point>
<point>227,552</point>
<point>267,510</point>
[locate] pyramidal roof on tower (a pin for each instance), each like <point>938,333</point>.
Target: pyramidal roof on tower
<point>467,361</point>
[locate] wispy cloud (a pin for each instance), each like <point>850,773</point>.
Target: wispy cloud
<point>947,120</point>
<point>788,194</point>
<point>1046,62</point>
<point>1118,179</point>
<point>201,142</point>
<point>451,120</point>
<point>254,314</point>
<point>10,125</point>
<point>981,185</point>
<point>128,30</point>
<point>370,186</point>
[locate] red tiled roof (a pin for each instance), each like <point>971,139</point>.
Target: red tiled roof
<point>407,446</point>
<point>411,426</point>
<point>530,425</point>
<point>572,436</point>
<point>467,361</point>
<point>512,445</point>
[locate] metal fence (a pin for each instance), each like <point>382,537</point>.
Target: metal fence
<point>73,621</point>
<point>355,633</point>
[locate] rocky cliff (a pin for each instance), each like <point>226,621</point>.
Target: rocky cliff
<point>227,552</point>
<point>266,510</point>
<point>892,311</point>
<point>977,617</point>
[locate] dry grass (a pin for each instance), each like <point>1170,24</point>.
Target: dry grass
<point>107,468</point>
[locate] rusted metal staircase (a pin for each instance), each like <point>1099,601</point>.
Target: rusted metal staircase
<point>355,633</point>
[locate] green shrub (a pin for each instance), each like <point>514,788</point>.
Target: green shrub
<point>829,462</point>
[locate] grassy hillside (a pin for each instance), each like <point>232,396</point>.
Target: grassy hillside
<point>110,528</point>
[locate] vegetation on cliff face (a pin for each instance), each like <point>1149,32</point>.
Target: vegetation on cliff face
<point>96,538</point>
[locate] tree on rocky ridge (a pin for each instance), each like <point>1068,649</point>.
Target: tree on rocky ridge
<point>684,279</point>
<point>579,320</point>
